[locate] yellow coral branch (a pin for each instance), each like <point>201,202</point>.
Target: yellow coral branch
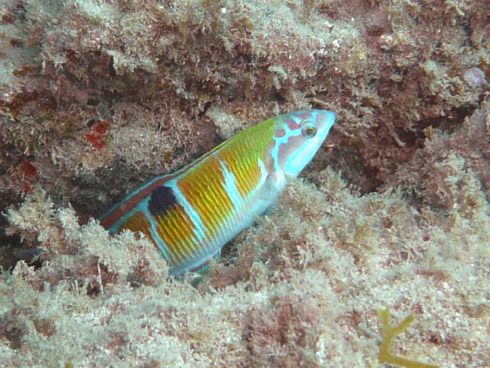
<point>389,334</point>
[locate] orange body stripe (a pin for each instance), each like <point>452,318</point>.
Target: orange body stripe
<point>137,222</point>
<point>242,161</point>
<point>176,230</point>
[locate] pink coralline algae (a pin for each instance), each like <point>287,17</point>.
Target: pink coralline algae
<point>475,77</point>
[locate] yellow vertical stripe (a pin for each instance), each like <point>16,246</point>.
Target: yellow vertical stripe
<point>203,189</point>
<point>177,231</point>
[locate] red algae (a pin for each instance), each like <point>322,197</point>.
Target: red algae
<point>98,134</point>
<point>28,169</point>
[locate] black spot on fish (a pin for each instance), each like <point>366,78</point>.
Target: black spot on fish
<point>162,200</point>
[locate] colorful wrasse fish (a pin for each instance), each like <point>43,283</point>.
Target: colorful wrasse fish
<point>192,213</point>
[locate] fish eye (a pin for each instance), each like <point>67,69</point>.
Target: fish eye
<point>309,130</point>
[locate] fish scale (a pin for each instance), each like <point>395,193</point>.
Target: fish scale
<point>190,214</point>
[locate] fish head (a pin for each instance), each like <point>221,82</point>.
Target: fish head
<point>297,137</point>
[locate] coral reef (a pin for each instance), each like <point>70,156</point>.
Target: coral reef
<point>170,79</point>
<point>300,289</point>
<point>98,96</point>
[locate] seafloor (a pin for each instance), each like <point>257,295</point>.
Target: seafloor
<point>98,96</point>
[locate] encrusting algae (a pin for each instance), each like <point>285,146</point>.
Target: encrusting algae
<point>294,292</point>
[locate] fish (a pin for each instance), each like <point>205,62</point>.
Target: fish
<point>192,213</point>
